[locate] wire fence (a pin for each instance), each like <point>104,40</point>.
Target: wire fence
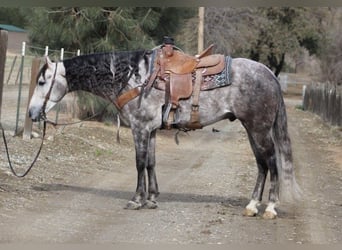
<point>14,69</point>
<point>17,78</point>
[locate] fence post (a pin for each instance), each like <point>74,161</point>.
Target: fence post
<point>303,96</point>
<point>46,51</point>
<point>3,50</point>
<point>62,54</point>
<point>283,82</point>
<point>20,86</point>
<point>12,67</point>
<point>28,122</point>
<point>58,107</point>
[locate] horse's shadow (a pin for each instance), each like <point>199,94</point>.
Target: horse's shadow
<point>233,201</point>
<point>236,203</point>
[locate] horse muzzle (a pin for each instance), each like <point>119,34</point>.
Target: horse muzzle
<point>35,114</point>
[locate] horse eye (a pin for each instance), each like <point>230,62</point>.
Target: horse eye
<point>41,83</point>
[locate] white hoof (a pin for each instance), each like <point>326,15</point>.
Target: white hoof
<point>269,215</point>
<point>270,212</point>
<point>132,205</point>
<point>251,209</point>
<point>249,213</point>
<point>151,204</point>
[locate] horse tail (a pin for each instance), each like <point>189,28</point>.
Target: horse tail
<point>289,189</point>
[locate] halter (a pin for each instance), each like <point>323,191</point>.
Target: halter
<point>47,98</point>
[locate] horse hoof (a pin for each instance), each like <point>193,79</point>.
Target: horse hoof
<point>151,204</point>
<point>132,205</point>
<point>268,215</point>
<point>249,212</point>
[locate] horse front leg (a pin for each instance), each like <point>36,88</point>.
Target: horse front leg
<point>145,160</point>
<point>141,139</point>
<point>153,190</point>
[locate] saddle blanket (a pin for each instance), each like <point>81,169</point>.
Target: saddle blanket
<point>219,80</point>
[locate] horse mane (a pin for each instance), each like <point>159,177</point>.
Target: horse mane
<point>105,68</point>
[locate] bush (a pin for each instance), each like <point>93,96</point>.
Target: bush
<point>94,107</point>
<point>331,59</point>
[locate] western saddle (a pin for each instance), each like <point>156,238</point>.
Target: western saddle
<point>173,73</point>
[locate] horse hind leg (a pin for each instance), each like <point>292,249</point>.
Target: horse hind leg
<point>273,199</point>
<point>252,207</point>
<point>264,151</point>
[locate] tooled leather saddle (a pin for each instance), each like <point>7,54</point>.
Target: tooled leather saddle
<point>180,76</point>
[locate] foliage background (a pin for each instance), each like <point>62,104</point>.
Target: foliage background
<point>282,38</point>
<point>274,36</point>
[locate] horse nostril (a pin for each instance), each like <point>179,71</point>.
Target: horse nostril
<point>33,115</point>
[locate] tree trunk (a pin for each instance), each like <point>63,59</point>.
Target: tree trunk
<point>280,65</point>
<point>274,64</point>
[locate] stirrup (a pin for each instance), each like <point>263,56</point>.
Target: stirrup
<point>167,112</point>
<point>167,120</point>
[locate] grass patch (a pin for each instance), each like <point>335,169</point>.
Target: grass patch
<point>299,107</point>
<point>100,152</point>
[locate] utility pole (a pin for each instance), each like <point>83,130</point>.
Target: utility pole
<point>200,30</point>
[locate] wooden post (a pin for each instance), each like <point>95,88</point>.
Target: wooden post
<point>28,122</point>
<point>3,50</point>
<point>58,106</point>
<point>200,29</point>
<point>20,86</point>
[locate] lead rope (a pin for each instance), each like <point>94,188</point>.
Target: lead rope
<point>47,97</point>
<point>34,160</point>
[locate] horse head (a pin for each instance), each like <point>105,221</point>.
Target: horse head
<point>50,89</point>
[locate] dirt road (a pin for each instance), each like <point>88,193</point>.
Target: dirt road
<point>78,189</point>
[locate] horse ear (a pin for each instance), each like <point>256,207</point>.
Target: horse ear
<point>48,61</point>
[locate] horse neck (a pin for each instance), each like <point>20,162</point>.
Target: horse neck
<point>105,74</point>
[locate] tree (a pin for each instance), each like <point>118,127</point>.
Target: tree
<point>13,16</point>
<point>285,31</point>
<point>171,22</point>
<point>263,34</point>
<point>103,29</point>
<point>91,29</point>
<point>230,29</point>
<point>331,52</point>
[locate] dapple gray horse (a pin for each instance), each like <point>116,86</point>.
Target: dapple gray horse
<point>253,97</point>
